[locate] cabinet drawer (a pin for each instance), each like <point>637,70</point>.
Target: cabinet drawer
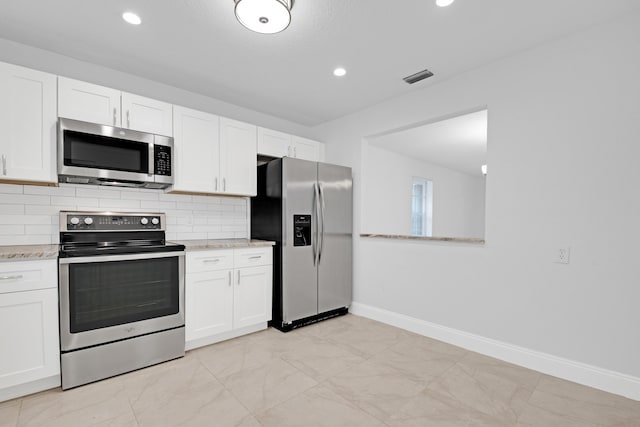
<point>253,256</point>
<point>21,276</point>
<point>198,261</point>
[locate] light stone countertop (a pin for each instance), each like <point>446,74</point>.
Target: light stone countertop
<point>192,245</point>
<point>41,252</point>
<point>28,252</point>
<point>432,239</point>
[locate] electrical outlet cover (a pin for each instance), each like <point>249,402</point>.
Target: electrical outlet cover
<point>562,255</point>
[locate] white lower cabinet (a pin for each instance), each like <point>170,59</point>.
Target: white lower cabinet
<point>209,300</point>
<point>227,293</point>
<point>252,296</point>
<point>30,356</point>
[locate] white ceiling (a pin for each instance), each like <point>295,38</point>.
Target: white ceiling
<point>198,45</point>
<point>459,143</point>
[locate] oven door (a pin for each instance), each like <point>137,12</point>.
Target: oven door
<point>115,297</point>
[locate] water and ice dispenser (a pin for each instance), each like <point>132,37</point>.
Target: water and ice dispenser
<point>302,230</point>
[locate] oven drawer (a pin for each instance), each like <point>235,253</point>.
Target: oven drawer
<point>18,276</point>
<point>209,260</point>
<point>251,257</point>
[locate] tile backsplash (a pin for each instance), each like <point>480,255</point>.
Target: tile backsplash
<point>29,214</point>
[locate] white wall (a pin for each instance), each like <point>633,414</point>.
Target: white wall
<point>29,214</point>
<point>458,199</point>
<point>563,145</point>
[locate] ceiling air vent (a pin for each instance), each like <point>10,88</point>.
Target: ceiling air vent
<point>420,75</point>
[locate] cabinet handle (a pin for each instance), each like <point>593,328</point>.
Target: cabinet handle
<point>289,151</point>
<point>211,260</point>
<point>4,165</point>
<point>216,184</point>
<point>224,184</point>
<point>255,257</point>
<point>229,277</point>
<point>114,115</point>
<point>16,277</point>
<point>128,120</point>
<point>238,277</point>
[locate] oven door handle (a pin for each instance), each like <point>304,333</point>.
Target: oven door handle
<point>127,257</point>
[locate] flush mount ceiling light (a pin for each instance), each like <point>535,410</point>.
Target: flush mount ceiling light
<point>339,72</point>
<point>131,18</point>
<point>264,16</point>
<point>444,3</point>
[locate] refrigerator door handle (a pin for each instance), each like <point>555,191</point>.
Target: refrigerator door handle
<point>321,233</point>
<point>315,224</point>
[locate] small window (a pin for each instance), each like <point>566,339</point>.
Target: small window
<point>421,207</point>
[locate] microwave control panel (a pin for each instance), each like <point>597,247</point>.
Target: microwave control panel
<point>162,160</point>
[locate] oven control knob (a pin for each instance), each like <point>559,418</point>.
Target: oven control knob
<point>88,220</point>
<point>74,220</point>
<point>144,221</point>
<point>155,221</point>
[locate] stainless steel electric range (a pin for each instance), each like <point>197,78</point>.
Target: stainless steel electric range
<point>121,294</point>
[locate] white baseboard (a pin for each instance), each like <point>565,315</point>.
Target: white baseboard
<point>29,388</point>
<point>581,373</point>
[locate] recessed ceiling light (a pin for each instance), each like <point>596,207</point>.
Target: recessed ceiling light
<point>444,3</point>
<point>339,72</point>
<point>131,18</point>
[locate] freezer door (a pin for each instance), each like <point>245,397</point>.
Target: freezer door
<point>299,274</point>
<point>335,246</point>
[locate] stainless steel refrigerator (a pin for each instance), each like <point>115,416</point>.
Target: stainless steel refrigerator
<point>307,209</point>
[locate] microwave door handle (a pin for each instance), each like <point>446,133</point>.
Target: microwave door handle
<point>151,160</point>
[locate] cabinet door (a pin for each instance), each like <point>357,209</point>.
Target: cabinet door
<point>197,151</point>
<point>209,301</point>
<point>238,157</point>
<point>88,102</point>
<point>273,143</point>
<point>146,115</point>
<point>28,336</point>
<point>252,296</point>
<point>306,149</point>
<point>27,124</point>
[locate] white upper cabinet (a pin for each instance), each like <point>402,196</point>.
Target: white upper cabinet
<point>306,149</point>
<point>214,154</point>
<point>238,157</point>
<point>279,144</point>
<point>27,124</point>
<point>196,148</point>
<point>146,115</point>
<point>273,143</point>
<point>97,104</point>
<point>88,102</point>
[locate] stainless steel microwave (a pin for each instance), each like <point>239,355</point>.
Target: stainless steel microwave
<point>90,153</point>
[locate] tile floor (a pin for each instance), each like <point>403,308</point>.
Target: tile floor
<point>348,371</point>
